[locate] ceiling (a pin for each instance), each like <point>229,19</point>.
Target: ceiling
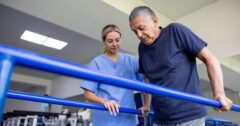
<point>175,9</point>
<point>80,48</point>
<point>79,23</point>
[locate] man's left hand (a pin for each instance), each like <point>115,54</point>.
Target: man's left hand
<point>226,103</point>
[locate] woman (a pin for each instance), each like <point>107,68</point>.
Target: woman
<point>112,62</point>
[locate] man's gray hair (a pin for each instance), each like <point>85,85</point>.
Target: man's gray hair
<point>141,10</point>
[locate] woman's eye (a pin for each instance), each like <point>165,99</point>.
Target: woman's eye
<point>110,41</point>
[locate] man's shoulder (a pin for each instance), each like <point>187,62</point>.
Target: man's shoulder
<point>175,26</point>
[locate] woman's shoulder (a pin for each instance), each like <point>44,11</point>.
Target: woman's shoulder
<point>96,60</point>
<point>98,57</point>
<point>127,55</point>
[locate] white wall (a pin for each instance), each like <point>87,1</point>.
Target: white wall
<point>231,115</point>
<point>33,81</point>
<point>64,87</point>
<point>13,104</point>
<point>218,24</point>
<point>127,6</point>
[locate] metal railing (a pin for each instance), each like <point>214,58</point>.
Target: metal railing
<point>219,122</point>
<point>10,56</point>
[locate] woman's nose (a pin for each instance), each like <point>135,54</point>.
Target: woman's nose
<point>114,43</point>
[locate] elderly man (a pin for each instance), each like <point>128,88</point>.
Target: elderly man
<point>167,57</point>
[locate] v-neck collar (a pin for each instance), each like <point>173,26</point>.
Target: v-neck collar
<point>111,61</point>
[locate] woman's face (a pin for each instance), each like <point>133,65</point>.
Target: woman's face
<point>112,42</point>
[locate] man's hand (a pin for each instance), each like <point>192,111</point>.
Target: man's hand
<point>144,111</point>
<point>111,106</point>
<point>225,102</point>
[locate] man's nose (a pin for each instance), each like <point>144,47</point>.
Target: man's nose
<point>139,34</point>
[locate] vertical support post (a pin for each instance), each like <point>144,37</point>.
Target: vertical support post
<point>216,123</point>
<point>6,69</point>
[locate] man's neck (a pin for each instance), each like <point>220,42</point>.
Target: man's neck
<point>158,32</point>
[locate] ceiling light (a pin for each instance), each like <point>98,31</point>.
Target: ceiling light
<point>54,43</point>
<point>33,37</point>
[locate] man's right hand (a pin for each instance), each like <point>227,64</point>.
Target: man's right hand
<point>144,111</point>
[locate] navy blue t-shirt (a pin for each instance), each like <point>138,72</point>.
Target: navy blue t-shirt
<point>171,62</point>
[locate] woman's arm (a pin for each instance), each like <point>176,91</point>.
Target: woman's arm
<point>110,105</point>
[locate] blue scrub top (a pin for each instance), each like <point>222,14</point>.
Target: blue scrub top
<point>126,67</point>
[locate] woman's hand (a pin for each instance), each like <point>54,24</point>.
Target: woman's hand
<point>111,106</point>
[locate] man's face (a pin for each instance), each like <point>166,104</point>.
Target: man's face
<point>145,28</point>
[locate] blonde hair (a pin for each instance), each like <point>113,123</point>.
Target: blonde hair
<point>110,28</point>
<point>107,29</point>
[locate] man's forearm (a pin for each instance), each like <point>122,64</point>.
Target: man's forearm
<point>147,99</point>
<point>216,77</point>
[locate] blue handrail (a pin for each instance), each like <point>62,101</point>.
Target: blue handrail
<point>60,101</point>
<point>37,61</point>
<point>219,122</point>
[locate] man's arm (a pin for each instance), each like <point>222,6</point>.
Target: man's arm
<point>147,100</point>
<point>216,78</point>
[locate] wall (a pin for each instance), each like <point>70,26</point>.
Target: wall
<point>231,115</point>
<point>33,81</point>
<point>14,104</point>
<point>217,24</point>
<point>64,87</point>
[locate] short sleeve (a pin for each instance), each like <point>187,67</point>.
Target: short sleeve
<point>189,42</point>
<point>136,66</point>
<point>140,65</point>
<point>91,85</point>
<point>141,70</point>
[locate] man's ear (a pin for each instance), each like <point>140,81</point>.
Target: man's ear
<point>155,20</point>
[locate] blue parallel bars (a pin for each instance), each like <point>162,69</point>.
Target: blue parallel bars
<point>219,122</point>
<point>59,101</point>
<point>41,62</point>
<point>6,68</point>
